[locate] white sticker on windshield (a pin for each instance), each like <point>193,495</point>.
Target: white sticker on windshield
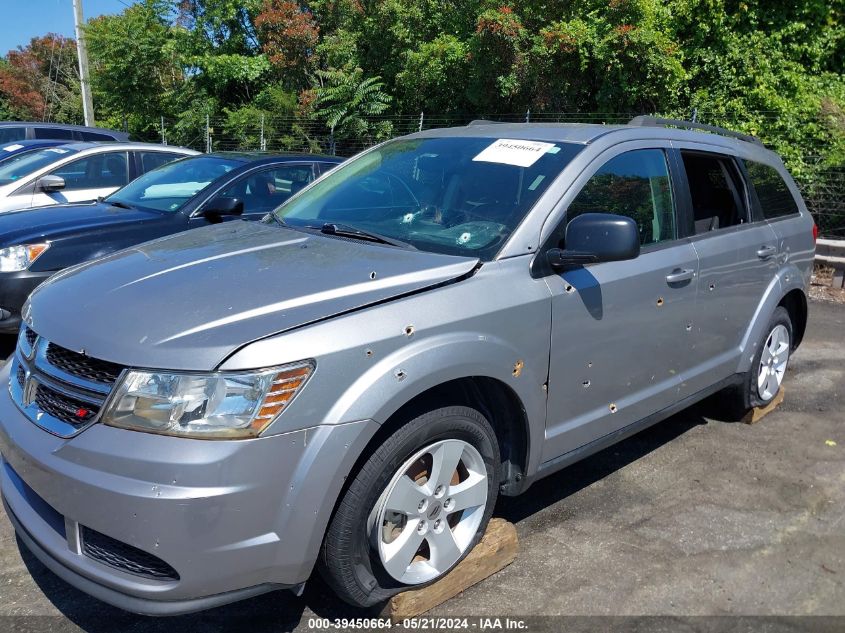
<point>12,148</point>
<point>57,150</point>
<point>514,152</point>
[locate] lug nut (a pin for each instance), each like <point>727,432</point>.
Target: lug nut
<point>421,526</point>
<point>437,524</point>
<point>421,505</point>
<point>447,504</point>
<point>438,491</point>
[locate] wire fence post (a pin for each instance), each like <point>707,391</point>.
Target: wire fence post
<point>421,122</point>
<point>528,115</point>
<point>263,140</point>
<point>207,134</point>
<point>163,135</point>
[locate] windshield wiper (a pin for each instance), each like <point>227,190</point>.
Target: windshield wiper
<point>345,230</point>
<point>120,205</point>
<point>272,217</point>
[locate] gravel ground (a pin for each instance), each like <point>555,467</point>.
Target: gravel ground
<point>695,516</point>
<point>821,289</point>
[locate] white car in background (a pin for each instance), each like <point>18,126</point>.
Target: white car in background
<point>78,172</point>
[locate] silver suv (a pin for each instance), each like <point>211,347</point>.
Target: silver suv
<point>350,384</point>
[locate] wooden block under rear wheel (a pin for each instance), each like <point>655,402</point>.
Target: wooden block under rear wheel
<point>758,413</point>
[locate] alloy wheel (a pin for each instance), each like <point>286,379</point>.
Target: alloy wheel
<point>429,513</point>
<point>773,362</point>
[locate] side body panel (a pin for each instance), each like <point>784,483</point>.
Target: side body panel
<point>619,345</point>
<point>619,335</point>
<point>732,284</point>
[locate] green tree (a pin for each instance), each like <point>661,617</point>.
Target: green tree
<point>136,74</point>
<point>346,99</point>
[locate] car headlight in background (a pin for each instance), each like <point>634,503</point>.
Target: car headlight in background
<point>15,258</point>
<point>225,405</point>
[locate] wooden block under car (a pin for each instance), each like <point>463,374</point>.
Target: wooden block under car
<point>758,413</point>
<point>496,550</point>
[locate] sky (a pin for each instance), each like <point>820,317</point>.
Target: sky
<point>21,20</point>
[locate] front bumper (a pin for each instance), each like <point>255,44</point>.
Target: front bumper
<point>232,518</point>
<point>14,290</point>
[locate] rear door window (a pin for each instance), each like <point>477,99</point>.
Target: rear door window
<point>716,190</point>
<point>151,160</point>
<point>635,184</point>
<point>9,134</point>
<point>776,200</point>
<point>54,133</point>
<point>97,171</point>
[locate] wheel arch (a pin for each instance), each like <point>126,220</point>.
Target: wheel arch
<point>785,289</point>
<point>795,302</point>
<point>496,400</point>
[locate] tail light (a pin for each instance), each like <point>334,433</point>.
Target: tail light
<point>815,232</point>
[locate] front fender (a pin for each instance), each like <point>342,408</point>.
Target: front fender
<point>412,369</point>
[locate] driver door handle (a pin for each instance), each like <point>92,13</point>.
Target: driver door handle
<point>766,251</point>
<point>680,274</point>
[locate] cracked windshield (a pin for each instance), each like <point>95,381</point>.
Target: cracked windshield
<point>456,196</point>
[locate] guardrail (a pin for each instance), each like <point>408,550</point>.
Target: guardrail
<point>832,253</point>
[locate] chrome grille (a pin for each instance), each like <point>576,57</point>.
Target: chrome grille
<point>60,390</point>
<point>75,412</point>
<point>82,366</point>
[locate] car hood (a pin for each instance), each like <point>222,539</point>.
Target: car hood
<point>29,225</point>
<point>190,300</point>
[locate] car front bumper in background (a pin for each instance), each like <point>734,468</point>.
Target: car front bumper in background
<point>164,525</point>
<point>14,290</point>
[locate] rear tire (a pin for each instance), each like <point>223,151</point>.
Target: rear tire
<point>764,379</point>
<point>416,507</point>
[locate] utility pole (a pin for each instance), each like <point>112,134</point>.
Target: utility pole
<point>82,51</point>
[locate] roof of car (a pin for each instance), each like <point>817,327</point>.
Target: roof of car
<point>128,145</point>
<point>36,142</point>
<point>586,133</point>
<point>67,126</point>
<point>271,157</point>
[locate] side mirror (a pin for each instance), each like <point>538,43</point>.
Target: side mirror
<point>219,207</point>
<point>50,184</point>
<point>596,237</point>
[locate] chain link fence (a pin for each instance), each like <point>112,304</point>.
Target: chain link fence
<point>824,191</point>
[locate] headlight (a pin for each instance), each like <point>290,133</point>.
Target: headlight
<point>220,405</point>
<point>15,258</point>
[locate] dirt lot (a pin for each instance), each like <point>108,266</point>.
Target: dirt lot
<point>693,517</point>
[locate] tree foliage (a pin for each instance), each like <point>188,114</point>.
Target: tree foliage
<point>40,81</point>
<point>769,67</point>
<point>346,99</point>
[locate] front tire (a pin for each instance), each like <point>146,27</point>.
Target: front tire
<point>416,507</point>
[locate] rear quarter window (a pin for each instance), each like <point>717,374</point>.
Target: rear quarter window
<point>776,200</point>
<point>95,136</point>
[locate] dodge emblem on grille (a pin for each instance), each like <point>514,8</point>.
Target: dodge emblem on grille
<point>29,388</point>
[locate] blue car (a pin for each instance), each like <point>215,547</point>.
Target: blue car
<point>17,149</point>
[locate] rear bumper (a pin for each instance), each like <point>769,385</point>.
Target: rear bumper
<point>14,290</point>
<point>232,519</point>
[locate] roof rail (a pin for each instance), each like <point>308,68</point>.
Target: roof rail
<point>653,121</point>
<point>483,122</point>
